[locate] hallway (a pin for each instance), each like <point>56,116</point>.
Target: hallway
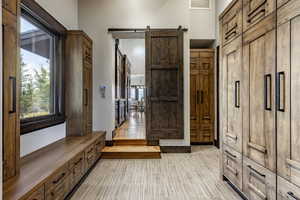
<point>175,176</point>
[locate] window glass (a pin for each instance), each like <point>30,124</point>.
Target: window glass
<point>37,46</point>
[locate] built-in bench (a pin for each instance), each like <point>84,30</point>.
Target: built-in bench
<point>53,171</point>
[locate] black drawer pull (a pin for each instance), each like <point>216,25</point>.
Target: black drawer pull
<point>78,162</point>
<point>255,171</point>
<point>281,79</point>
<point>198,97</point>
<point>237,94</point>
<point>59,179</point>
<point>253,16</point>
<point>230,154</point>
<point>268,92</point>
<point>90,151</point>
<point>230,30</point>
<point>86,98</point>
<point>293,196</point>
<point>13,94</point>
<point>233,33</point>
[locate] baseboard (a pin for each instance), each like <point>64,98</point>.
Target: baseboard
<point>176,149</point>
<point>109,143</point>
<point>202,143</point>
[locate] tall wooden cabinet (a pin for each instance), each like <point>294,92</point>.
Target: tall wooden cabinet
<point>202,95</point>
<point>79,83</point>
<point>269,88</point>
<point>11,121</point>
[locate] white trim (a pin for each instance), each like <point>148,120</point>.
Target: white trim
<point>194,8</point>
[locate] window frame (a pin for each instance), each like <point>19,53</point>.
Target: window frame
<point>35,14</point>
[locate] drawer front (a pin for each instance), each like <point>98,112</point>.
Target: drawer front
<point>287,190</point>
<point>38,195</point>
<point>90,157</point>
<point>58,185</point>
<point>259,183</point>
<point>100,143</point>
<point>256,10</point>
<point>77,168</point>
<point>232,166</point>
<point>232,23</point>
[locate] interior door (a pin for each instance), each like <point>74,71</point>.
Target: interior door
<point>164,82</point>
<point>288,87</point>
<point>11,122</point>
<point>231,81</point>
<point>259,102</point>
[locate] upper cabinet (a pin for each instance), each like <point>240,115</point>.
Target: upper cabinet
<point>232,22</point>
<point>11,6</point>
<point>256,10</point>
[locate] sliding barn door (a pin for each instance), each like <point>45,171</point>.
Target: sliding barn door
<point>164,82</point>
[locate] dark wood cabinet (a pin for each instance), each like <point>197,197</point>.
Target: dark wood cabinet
<point>11,121</point>
<point>79,83</point>
<point>202,95</point>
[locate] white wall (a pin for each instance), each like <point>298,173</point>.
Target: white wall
<point>202,22</point>
<point>66,12</point>
<point>96,16</point>
<point>220,6</point>
<point>1,152</point>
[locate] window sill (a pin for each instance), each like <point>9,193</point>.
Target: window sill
<point>41,123</point>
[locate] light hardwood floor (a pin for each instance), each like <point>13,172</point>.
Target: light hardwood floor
<point>192,176</point>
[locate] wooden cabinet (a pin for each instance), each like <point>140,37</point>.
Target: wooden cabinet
<point>259,66</point>
<point>288,108</point>
<point>259,183</point>
<point>232,166</point>
<point>232,93</point>
<point>202,95</point>
<point>79,83</point>
<point>232,23</point>
<point>11,6</point>
<point>256,10</point>
<point>90,156</point>
<point>39,194</point>
<point>287,190</point>
<point>77,169</point>
<point>11,121</point>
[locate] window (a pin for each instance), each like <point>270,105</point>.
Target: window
<point>200,4</point>
<point>41,95</point>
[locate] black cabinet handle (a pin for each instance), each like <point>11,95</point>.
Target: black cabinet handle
<point>230,154</point>
<point>281,79</point>
<point>86,97</point>
<point>255,171</point>
<point>268,92</point>
<point>198,97</point>
<point>202,97</point>
<point>61,177</point>
<point>251,16</point>
<point>293,196</point>
<point>233,33</point>
<point>237,94</point>
<point>14,94</point>
<point>78,162</point>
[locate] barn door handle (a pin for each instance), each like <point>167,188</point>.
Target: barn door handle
<point>13,94</point>
<point>293,196</point>
<point>251,16</point>
<point>202,97</point>
<point>86,97</point>
<point>268,92</point>
<point>237,94</point>
<point>198,97</point>
<point>281,96</point>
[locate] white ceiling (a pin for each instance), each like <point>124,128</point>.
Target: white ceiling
<point>135,51</point>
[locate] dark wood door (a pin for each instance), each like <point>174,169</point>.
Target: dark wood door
<point>164,82</point>
<point>202,95</point>
<point>11,125</point>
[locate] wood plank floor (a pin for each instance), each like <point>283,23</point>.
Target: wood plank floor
<point>133,128</point>
<point>192,176</point>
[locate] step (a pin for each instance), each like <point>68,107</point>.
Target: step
<point>131,152</point>
<point>129,142</point>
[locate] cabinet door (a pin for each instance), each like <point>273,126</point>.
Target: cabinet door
<point>206,79</point>
<point>259,100</point>
<point>194,105</point>
<point>87,100</point>
<point>11,6</point>
<point>231,95</point>
<point>11,129</point>
<point>288,87</point>
<point>256,10</point>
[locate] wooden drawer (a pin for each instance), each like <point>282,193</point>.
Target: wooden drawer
<point>232,23</point>
<point>90,157</point>
<point>39,194</point>
<point>77,169</point>
<point>287,190</point>
<point>58,186</point>
<point>232,166</point>
<point>259,183</point>
<point>100,143</point>
<point>256,10</point>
